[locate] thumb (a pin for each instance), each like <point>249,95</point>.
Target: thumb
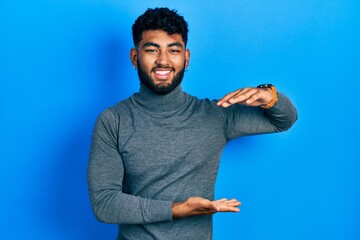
<point>212,206</point>
<point>215,207</point>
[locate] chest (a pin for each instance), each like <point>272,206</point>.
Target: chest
<point>150,144</point>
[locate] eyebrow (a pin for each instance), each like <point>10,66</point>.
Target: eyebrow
<point>152,44</point>
<point>175,44</point>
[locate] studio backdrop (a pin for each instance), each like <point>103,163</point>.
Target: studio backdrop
<point>63,62</point>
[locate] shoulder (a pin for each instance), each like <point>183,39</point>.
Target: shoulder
<point>121,107</point>
<point>116,111</point>
<point>112,115</point>
<point>207,106</point>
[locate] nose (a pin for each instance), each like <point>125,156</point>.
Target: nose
<point>163,58</point>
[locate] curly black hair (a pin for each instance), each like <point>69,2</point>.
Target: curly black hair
<point>160,19</point>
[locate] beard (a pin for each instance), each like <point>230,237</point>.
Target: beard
<point>146,79</point>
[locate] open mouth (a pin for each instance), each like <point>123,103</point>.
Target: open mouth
<point>162,74</point>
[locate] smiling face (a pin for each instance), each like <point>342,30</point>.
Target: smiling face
<point>161,60</point>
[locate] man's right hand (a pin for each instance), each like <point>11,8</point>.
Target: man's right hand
<point>201,206</point>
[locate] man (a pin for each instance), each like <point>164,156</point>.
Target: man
<point>154,156</point>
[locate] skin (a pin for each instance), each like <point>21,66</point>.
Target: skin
<point>162,57</point>
<point>248,96</point>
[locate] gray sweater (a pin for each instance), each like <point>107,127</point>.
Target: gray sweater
<point>149,151</point>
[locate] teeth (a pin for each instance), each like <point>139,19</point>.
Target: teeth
<point>162,72</point>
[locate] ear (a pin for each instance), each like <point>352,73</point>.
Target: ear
<point>133,57</point>
<point>187,58</point>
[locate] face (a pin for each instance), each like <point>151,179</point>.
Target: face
<point>161,60</point>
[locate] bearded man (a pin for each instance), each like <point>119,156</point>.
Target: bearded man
<point>154,156</point>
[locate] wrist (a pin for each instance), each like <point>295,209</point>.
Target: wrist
<point>274,98</point>
<point>176,210</point>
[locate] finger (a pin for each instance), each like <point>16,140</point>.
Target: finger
<point>228,209</point>
<point>239,93</point>
<point>220,200</point>
<point>210,206</point>
<point>243,96</point>
<point>207,204</point>
<point>255,97</point>
<point>263,96</point>
<point>227,97</point>
<point>218,203</point>
<point>240,97</point>
<point>206,207</point>
<point>225,201</point>
<point>233,203</point>
<point>234,200</point>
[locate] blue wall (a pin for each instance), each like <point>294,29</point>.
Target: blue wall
<point>62,62</point>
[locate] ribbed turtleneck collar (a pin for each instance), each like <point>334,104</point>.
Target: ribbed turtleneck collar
<point>160,103</point>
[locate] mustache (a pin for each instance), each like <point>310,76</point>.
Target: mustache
<point>163,66</point>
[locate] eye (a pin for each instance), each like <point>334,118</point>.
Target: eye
<point>174,51</point>
<point>150,50</point>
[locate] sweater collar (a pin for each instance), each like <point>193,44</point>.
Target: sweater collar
<point>160,103</point>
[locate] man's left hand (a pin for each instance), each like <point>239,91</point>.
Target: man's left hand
<point>247,96</point>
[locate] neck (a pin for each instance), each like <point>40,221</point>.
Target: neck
<point>160,103</point>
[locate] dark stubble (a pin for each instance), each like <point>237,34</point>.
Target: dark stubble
<point>146,79</point>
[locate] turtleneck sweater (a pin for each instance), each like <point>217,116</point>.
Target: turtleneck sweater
<point>151,150</point>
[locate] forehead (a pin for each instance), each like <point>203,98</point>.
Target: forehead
<point>160,37</point>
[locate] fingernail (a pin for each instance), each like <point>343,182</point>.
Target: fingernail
<point>225,104</point>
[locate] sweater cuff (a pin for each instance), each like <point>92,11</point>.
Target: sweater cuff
<point>159,211</point>
<point>283,113</point>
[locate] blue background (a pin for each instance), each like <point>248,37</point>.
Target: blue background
<point>63,62</point>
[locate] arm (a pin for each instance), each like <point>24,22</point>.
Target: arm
<point>200,206</point>
<point>111,205</point>
<point>105,176</point>
<point>246,117</point>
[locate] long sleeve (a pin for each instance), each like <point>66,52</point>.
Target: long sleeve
<point>244,120</point>
<point>105,181</point>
